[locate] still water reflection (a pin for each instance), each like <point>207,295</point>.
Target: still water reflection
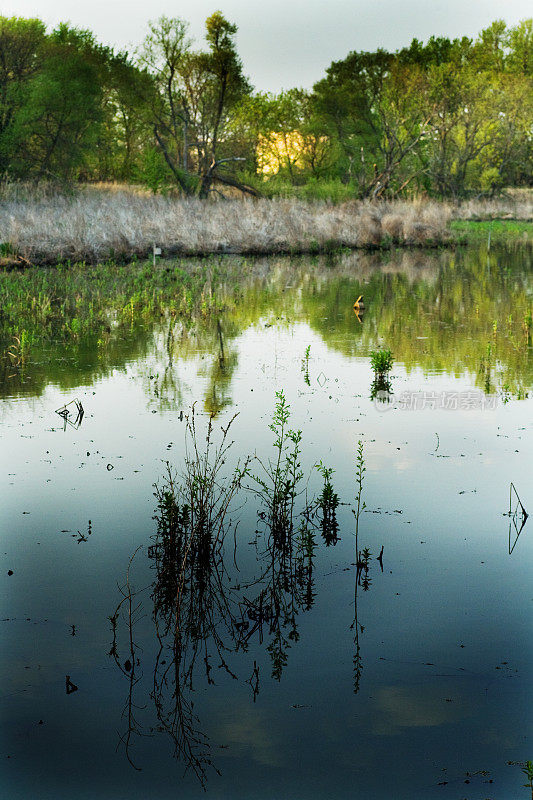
<point>243,631</point>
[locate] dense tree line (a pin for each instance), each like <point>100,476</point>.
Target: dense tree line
<point>447,118</point>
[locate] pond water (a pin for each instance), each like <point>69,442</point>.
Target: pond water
<point>281,661</point>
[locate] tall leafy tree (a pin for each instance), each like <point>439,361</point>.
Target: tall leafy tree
<point>228,83</point>
<point>58,126</point>
<point>376,109</point>
<point>488,52</point>
<point>164,54</point>
<point>226,86</point>
<point>519,41</point>
<point>123,134</point>
<point>343,100</point>
<point>21,42</point>
<point>196,92</point>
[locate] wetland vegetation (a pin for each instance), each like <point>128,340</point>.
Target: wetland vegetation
<point>291,413</point>
<point>257,453</point>
<point>442,118</point>
<point>121,224</point>
<point>98,317</point>
<point>100,224</point>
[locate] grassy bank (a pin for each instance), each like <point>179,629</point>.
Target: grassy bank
<point>99,224</point>
<point>499,230</point>
<point>92,224</point>
<point>515,204</point>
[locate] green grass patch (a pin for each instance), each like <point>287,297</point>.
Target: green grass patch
<point>501,230</point>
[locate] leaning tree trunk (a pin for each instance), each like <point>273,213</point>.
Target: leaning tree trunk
<point>211,176</point>
<point>179,178</point>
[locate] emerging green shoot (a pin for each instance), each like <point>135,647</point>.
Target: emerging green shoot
<point>305,364</point>
<point>381,361</point>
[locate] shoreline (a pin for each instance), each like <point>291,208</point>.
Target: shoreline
<point>20,263</point>
<point>456,238</point>
<point>102,225</point>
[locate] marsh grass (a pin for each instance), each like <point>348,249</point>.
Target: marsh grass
<point>100,224</point>
<point>45,223</point>
<point>514,205</point>
<point>490,232</point>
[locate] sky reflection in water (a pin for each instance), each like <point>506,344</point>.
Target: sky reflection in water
<point>440,686</point>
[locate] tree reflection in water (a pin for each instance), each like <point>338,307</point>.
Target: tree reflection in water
<point>464,311</point>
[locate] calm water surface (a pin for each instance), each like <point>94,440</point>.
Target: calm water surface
<point>294,676</point>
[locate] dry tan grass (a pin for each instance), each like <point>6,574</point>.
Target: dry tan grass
<point>517,204</point>
<point>98,223</point>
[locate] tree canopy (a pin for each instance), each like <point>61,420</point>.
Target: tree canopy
<point>449,117</point>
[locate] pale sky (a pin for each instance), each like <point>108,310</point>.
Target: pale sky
<point>283,43</point>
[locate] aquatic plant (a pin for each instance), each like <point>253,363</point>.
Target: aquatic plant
<point>288,536</point>
<point>362,564</point>
<point>381,388</point>
<point>19,349</point>
<point>305,364</point>
<point>277,484</point>
<point>194,615</point>
<point>193,507</point>
<point>327,504</point>
<point>200,617</point>
<point>360,470</point>
<point>381,361</point>
<point>131,612</point>
<point>527,769</point>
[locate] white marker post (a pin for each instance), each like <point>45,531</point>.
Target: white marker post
<point>157,252</point>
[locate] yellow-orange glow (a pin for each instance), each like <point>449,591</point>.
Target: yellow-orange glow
<point>288,150</point>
